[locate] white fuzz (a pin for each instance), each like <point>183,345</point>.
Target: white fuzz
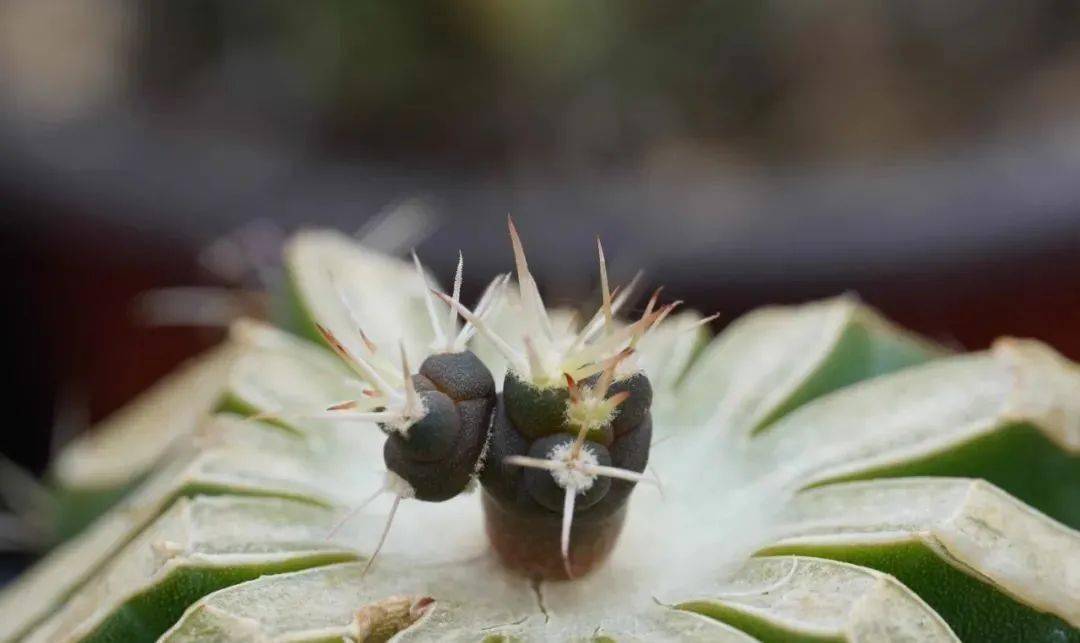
<point>404,421</point>
<point>481,461</point>
<point>590,411</point>
<point>578,464</point>
<point>573,476</point>
<point>398,486</point>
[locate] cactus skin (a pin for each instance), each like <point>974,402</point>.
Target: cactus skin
<point>441,452</point>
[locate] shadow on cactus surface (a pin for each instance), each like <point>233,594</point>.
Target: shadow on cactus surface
<point>812,473</point>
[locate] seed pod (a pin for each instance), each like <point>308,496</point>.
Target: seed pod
<point>439,454</point>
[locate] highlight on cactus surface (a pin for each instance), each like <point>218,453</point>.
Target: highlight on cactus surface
<point>391,461</point>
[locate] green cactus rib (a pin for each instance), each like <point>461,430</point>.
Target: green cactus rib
<point>76,508</point>
<point>994,568</point>
<point>1005,415</point>
<point>87,474</point>
<point>772,361</point>
<point>196,473</point>
<point>275,611</point>
<point>1017,457</point>
<point>799,598</point>
<point>149,614</point>
<point>760,628</point>
<point>351,606</point>
<point>198,546</point>
<point>867,347</point>
<point>976,610</point>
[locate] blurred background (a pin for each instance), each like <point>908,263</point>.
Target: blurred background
<point>923,154</point>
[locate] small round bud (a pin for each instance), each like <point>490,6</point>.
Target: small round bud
<point>535,411</point>
<point>462,375</point>
<point>422,383</point>
<point>542,486</point>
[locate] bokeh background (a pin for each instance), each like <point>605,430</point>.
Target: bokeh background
<point>923,154</point>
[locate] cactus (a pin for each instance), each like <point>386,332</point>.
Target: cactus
<point>812,473</point>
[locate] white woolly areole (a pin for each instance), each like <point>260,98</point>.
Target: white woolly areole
<point>398,486</point>
<point>408,418</point>
<point>591,411</point>
<point>569,476</point>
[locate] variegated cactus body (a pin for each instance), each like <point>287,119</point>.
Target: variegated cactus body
<point>824,475</point>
